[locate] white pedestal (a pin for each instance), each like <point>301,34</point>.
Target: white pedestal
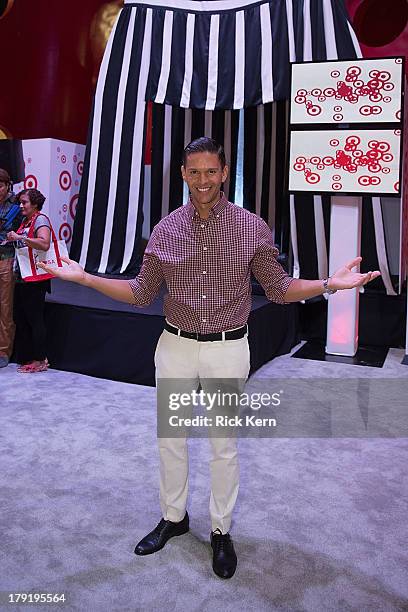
<point>345,238</point>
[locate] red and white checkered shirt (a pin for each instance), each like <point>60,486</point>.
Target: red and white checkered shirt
<point>207,265</point>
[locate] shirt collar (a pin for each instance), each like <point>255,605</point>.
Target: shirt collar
<point>215,210</point>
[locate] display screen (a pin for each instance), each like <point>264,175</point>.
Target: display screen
<point>345,161</point>
<point>355,91</point>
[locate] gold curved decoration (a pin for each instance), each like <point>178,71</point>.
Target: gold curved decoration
<point>8,8</point>
<point>5,134</point>
<point>99,32</point>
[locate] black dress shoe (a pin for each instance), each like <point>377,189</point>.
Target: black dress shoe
<point>156,539</point>
<point>224,557</point>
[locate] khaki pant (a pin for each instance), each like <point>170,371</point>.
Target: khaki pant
<point>6,307</point>
<point>181,358</point>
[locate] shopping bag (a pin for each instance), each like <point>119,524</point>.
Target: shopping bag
<point>28,258</point>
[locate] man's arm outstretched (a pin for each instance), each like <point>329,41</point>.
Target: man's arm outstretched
<point>140,291</point>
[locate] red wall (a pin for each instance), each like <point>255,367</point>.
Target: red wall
<point>47,68</point>
<point>381,26</point>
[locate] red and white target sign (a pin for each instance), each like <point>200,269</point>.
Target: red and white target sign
<point>65,180</point>
<point>356,91</point>
<point>30,182</point>
<point>65,232</point>
<point>348,161</point>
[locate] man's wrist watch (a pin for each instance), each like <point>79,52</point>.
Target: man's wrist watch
<point>326,287</point>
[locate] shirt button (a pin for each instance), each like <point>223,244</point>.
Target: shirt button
<point>204,296</point>
<point>204,248</point>
<point>204,271</point>
<point>204,320</point>
<point>218,216</point>
<point>202,225</point>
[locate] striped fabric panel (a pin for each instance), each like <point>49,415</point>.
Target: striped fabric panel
<point>265,161</point>
<point>200,62</point>
<point>108,226</point>
<point>239,56</point>
<point>85,218</point>
<point>173,129</point>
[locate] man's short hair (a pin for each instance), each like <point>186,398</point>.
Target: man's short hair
<point>204,145</point>
<point>34,195</point>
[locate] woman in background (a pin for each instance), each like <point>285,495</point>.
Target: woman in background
<point>29,297</point>
<point>10,219</point>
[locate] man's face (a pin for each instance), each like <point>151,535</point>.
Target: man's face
<point>204,177</point>
<point>3,191</point>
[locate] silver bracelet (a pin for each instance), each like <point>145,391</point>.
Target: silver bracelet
<point>326,287</point>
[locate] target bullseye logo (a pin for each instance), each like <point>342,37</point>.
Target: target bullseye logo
<point>30,182</point>
<point>80,167</point>
<point>65,232</point>
<point>73,204</point>
<point>369,180</point>
<point>312,178</point>
<point>65,180</point>
<point>314,109</point>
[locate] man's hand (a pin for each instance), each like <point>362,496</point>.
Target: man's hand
<point>13,236</point>
<point>117,289</point>
<point>71,272</point>
<point>345,278</point>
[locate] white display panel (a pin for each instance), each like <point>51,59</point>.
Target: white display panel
<point>354,91</point>
<point>55,168</point>
<point>361,162</point>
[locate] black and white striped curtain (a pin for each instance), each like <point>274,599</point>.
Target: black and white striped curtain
<point>200,63</point>
<point>173,128</point>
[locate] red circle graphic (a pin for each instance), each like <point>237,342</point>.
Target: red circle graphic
<point>72,205</point>
<point>313,178</point>
<point>65,232</point>
<point>30,182</point>
<point>65,180</point>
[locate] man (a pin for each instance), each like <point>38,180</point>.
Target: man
<point>205,252</point>
<point>10,220</point>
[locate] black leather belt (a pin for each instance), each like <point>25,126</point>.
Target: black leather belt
<point>234,334</point>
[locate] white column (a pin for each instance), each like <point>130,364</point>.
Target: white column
<point>342,312</point>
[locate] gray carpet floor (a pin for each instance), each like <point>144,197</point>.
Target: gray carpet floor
<point>320,524</point>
